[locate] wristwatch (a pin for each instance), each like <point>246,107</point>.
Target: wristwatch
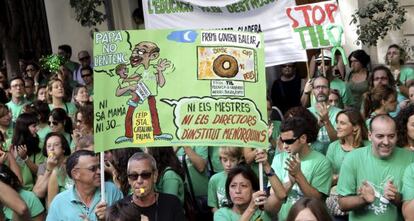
<point>271,173</point>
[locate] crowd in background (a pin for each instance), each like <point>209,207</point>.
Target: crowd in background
<point>341,148</point>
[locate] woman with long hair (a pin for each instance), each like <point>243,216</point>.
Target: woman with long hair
<point>395,59</point>
<point>56,97</point>
<point>380,100</point>
<point>171,174</point>
<point>352,133</point>
<point>60,122</point>
<point>359,62</point>
<point>310,209</point>
<point>6,125</point>
<point>405,128</point>
<point>25,146</point>
<point>37,211</point>
<point>244,197</point>
<point>56,149</point>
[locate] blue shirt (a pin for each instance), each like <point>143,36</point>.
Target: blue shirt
<point>67,205</point>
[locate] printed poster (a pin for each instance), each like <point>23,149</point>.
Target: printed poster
<point>179,87</point>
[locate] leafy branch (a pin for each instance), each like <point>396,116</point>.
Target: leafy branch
<point>86,12</point>
<point>376,19</point>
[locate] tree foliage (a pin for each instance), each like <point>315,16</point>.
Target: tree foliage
<point>86,12</point>
<point>376,19</point>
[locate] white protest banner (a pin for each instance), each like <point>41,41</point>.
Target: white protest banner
<point>267,16</point>
<point>317,25</point>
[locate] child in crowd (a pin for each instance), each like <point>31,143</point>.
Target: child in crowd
<point>230,157</point>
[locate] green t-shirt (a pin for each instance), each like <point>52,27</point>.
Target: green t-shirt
<point>198,180</point>
<point>28,178</point>
<point>323,141</point>
<point>317,171</point>
<point>16,109</point>
<point>408,183</point>
<point>336,155</point>
<point>361,165</point>
<point>406,74</point>
<point>69,107</point>
<point>42,132</point>
<point>214,153</point>
<point>344,91</point>
<point>227,214</point>
<point>170,182</point>
<point>149,78</point>
<point>33,203</point>
<point>217,190</point>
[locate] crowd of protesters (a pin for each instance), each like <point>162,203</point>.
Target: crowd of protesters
<point>341,148</point>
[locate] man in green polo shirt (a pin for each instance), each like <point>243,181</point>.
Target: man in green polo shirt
<point>18,100</point>
<point>370,180</point>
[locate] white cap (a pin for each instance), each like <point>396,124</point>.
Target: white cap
<point>326,54</point>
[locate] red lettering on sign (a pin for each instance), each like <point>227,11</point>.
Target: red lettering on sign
<point>330,9</point>
<point>314,15</point>
<point>295,22</point>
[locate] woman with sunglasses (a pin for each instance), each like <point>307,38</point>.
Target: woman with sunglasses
<point>56,149</point>
<point>244,197</point>
<point>171,174</point>
<point>352,133</point>
<point>60,122</point>
<point>25,146</point>
<point>57,97</point>
<point>36,209</point>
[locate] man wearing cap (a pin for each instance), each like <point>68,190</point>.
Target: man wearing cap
<point>85,61</point>
<point>142,176</point>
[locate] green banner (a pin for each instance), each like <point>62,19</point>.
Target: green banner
<point>179,87</point>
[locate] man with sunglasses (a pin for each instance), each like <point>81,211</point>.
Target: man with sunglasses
<point>302,171</point>
<point>286,91</point>
<point>85,61</point>
<point>83,199</point>
<point>325,114</point>
<point>142,177</point>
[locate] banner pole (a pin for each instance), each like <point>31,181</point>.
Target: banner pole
<point>323,63</point>
<point>102,167</point>
<point>261,176</point>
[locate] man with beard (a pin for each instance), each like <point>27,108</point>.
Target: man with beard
<point>142,85</point>
<point>303,171</point>
<point>325,113</point>
<point>82,201</point>
<point>371,178</point>
<point>286,91</point>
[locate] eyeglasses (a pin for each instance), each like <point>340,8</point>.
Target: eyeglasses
<point>86,75</point>
<point>17,85</point>
<point>289,141</point>
<point>55,123</point>
<point>93,168</point>
<point>144,175</point>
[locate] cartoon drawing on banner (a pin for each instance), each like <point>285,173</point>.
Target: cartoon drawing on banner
<point>142,85</point>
